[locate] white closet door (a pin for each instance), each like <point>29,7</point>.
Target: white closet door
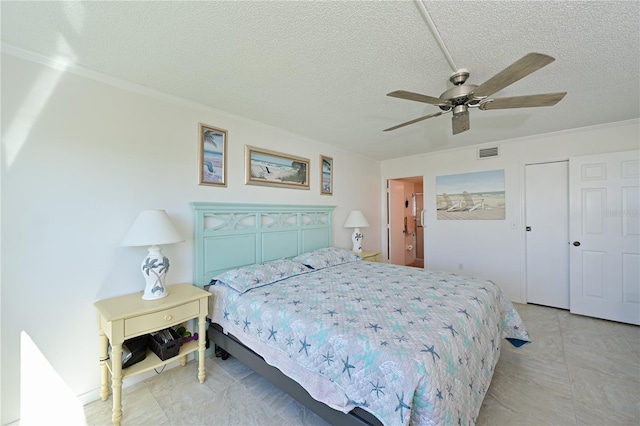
<point>547,236</point>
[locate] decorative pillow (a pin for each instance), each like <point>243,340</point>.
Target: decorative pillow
<point>259,274</point>
<point>325,257</point>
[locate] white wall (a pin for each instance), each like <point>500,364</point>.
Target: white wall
<point>80,159</point>
<point>495,249</point>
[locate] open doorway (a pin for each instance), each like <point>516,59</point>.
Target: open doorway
<point>405,204</point>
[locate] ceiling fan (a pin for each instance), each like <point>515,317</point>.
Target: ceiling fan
<point>463,96</point>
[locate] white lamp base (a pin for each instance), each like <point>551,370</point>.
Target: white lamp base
<point>154,269</point>
<point>356,239</point>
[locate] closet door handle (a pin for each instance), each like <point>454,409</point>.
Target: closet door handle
<point>576,243</point>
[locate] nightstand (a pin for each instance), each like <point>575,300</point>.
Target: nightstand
<point>124,317</point>
<point>371,256</point>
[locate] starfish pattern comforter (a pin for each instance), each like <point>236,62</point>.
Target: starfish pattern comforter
<point>408,345</point>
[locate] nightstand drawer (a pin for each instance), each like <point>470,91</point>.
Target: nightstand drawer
<point>162,319</point>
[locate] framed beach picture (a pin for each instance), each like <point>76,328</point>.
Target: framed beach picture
<point>271,168</point>
<point>213,156</point>
<point>471,196</point>
<point>326,175</point>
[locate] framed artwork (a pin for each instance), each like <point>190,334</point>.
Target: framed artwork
<point>326,175</point>
<point>213,156</point>
<point>471,196</point>
<point>270,168</point>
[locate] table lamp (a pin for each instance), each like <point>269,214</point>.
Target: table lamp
<point>356,220</point>
<point>153,228</point>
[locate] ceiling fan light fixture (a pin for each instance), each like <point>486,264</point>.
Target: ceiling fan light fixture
<point>463,96</point>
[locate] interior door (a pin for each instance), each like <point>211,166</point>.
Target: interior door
<point>605,235</point>
<point>396,222</point>
<point>547,236</point>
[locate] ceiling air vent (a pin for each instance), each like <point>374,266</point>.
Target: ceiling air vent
<point>487,152</point>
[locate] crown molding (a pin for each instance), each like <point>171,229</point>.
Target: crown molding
<point>70,66</point>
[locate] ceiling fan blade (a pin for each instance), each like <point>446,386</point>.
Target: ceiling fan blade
<point>413,121</point>
<point>519,69</point>
<point>460,122</point>
<point>403,94</point>
<point>547,99</point>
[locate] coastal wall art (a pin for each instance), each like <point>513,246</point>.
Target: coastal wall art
<point>270,168</point>
<point>471,196</point>
<point>326,175</point>
<point>213,156</point>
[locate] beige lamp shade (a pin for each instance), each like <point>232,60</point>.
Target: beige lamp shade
<point>356,220</point>
<point>152,228</point>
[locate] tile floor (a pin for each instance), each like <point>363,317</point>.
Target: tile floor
<point>577,371</point>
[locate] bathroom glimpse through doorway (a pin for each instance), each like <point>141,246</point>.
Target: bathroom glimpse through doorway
<point>405,204</point>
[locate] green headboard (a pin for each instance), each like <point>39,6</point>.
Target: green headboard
<point>230,235</point>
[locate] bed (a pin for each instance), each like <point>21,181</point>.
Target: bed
<point>357,342</point>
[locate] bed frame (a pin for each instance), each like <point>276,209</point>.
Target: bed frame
<point>230,235</point>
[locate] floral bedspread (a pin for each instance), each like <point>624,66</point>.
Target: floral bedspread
<point>408,345</point>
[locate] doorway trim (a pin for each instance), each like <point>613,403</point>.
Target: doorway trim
<point>418,182</point>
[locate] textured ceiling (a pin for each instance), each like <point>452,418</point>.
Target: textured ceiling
<point>323,69</point>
